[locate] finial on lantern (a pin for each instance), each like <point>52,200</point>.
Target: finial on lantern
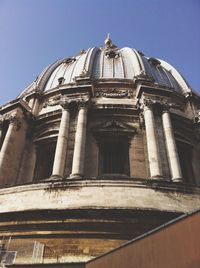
<point>108,41</point>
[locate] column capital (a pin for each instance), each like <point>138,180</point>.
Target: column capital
<point>1,121</point>
<point>14,119</point>
<point>11,118</point>
<point>4,117</point>
<point>80,102</point>
<point>83,103</point>
<point>162,102</point>
<point>65,104</point>
<point>166,107</point>
<point>197,117</point>
<point>147,103</point>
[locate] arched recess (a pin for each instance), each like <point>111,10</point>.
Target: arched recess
<point>45,145</point>
<point>185,153</point>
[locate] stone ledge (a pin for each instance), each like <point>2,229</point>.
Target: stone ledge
<point>59,183</point>
<point>106,194</point>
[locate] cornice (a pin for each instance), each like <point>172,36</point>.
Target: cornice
<point>18,103</point>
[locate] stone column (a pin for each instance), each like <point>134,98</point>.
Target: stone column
<point>1,131</point>
<point>61,146</point>
<point>10,135</point>
<point>171,147</point>
<point>80,139</point>
<point>152,145</point>
<point>6,150</point>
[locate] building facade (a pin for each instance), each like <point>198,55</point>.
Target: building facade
<point>100,148</point>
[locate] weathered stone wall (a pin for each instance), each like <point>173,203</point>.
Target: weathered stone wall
<point>97,193</point>
<point>91,153</point>
<point>26,172</point>
<point>137,156</point>
<point>58,249</point>
<point>162,144</point>
<point>195,163</point>
<point>71,140</point>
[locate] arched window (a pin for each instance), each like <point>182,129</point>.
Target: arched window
<point>44,160</point>
<point>45,145</point>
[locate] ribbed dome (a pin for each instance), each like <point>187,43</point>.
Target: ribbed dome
<point>109,62</point>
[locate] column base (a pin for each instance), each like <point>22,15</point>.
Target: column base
<point>76,176</point>
<point>157,177</point>
<point>177,179</point>
<point>55,178</point>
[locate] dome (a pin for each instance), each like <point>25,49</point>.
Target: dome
<point>109,63</point>
<point>100,148</point>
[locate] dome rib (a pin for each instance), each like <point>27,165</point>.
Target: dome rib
<point>108,63</point>
<point>73,68</point>
<point>89,63</point>
<point>178,77</point>
<point>122,64</point>
<point>102,64</point>
<point>167,77</point>
<point>142,68</point>
<point>45,77</point>
<point>51,81</point>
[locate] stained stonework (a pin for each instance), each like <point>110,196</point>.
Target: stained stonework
<point>100,148</point>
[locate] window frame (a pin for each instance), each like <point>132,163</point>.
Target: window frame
<point>114,130</point>
<point>51,144</point>
<point>113,139</point>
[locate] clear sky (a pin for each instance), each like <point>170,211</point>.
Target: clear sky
<point>34,33</point>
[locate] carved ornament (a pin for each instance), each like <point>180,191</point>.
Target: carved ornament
<point>52,101</point>
<point>159,101</point>
<point>66,101</point>
<point>147,102</point>
<point>15,120</point>
<point>114,126</point>
<point>4,117</point>
<point>81,102</point>
<point>12,118</point>
<point>114,93</point>
<point>1,121</point>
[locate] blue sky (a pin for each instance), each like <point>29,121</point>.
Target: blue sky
<point>34,33</point>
